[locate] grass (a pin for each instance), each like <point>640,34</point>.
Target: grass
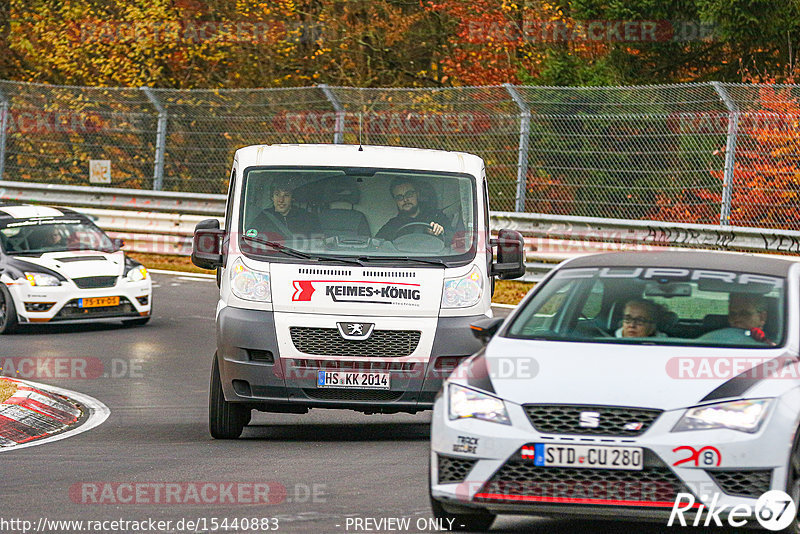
<point>7,388</point>
<point>505,291</point>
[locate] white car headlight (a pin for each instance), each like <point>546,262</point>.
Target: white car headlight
<point>464,291</point>
<point>248,284</point>
<point>465,403</point>
<point>744,416</point>
<point>42,279</point>
<point>137,273</point>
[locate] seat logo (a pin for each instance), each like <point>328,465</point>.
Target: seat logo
<point>355,331</point>
<point>589,420</point>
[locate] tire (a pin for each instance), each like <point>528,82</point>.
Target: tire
<point>226,420</point>
<point>479,521</point>
<point>136,322</point>
<point>793,483</point>
<point>8,312</point>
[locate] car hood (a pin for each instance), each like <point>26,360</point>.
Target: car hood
<point>79,263</point>
<point>647,376</point>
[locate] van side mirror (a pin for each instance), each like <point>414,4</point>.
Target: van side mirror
<point>510,255</point>
<point>207,244</point>
<point>485,329</point>
<point>118,243</point>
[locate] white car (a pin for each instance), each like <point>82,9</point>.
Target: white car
<point>569,410</point>
<point>56,266</point>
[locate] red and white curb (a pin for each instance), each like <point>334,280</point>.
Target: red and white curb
<point>37,414</point>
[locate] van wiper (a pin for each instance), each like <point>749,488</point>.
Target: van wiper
<point>344,259</point>
<point>402,258</point>
<point>277,246</point>
<point>302,255</point>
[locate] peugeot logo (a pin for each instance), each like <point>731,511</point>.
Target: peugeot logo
<point>355,331</point>
<point>589,420</point>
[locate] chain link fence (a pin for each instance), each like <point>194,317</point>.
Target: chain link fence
<point>705,153</point>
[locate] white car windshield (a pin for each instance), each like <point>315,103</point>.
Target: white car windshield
<point>656,305</point>
<point>39,236</point>
<point>358,213</point>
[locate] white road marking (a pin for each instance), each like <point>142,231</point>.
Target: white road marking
<point>98,413</point>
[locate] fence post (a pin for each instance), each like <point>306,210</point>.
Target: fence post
<point>730,153</point>
<point>524,135</point>
<point>161,138</point>
<point>338,134</point>
<point>3,130</point>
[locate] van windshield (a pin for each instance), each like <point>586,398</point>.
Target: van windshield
<point>656,306</point>
<point>361,214</point>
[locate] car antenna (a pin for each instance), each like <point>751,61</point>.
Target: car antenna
<point>360,148</point>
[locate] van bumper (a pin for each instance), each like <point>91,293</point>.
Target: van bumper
<point>252,370</point>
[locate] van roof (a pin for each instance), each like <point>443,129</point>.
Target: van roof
<point>327,155</point>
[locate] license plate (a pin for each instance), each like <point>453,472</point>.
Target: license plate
<point>349,379</point>
<point>96,302</point>
<point>589,456</point>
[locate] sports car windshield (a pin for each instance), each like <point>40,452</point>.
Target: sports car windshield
<point>39,236</point>
<point>656,305</point>
<point>358,214</point>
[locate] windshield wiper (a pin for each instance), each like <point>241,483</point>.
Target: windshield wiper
<point>280,248</point>
<point>344,259</point>
<point>302,255</point>
<point>402,258</point>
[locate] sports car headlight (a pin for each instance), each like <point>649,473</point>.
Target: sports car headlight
<point>463,292</point>
<point>465,403</point>
<point>744,416</point>
<point>137,273</point>
<point>42,279</point>
<point>248,284</point>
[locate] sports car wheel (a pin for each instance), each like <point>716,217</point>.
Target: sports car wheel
<point>226,420</point>
<point>793,486</point>
<point>8,312</point>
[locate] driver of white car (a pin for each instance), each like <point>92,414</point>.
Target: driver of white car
<point>411,211</point>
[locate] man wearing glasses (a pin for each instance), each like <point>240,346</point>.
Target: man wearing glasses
<point>411,214</point>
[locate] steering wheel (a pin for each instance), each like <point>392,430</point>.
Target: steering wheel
<point>416,226</point>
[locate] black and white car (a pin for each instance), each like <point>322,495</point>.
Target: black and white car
<point>693,421</point>
<point>57,266</point>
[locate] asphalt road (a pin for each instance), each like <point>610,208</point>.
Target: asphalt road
<point>332,465</point>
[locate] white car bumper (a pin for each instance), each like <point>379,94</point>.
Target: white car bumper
<point>477,464</point>
<point>45,304</point>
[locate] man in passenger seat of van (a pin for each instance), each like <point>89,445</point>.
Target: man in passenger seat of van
<point>411,211</point>
<point>284,218</point>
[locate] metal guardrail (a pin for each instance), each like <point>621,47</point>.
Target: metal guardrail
<point>163,223</point>
<point>115,198</point>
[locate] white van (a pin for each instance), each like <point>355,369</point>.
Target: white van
<point>349,277</point>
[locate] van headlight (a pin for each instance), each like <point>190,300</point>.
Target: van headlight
<point>137,274</point>
<point>743,415</point>
<point>465,403</point>
<point>41,279</point>
<point>248,284</point>
<point>464,291</point>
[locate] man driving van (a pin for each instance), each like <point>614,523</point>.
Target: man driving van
<point>409,210</point>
